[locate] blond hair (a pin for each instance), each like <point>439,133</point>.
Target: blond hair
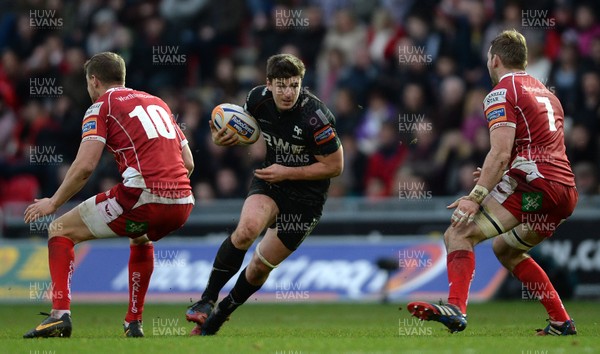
<point>510,46</point>
<point>108,67</point>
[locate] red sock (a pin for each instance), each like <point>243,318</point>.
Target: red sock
<point>536,280</point>
<point>461,267</point>
<point>141,265</point>
<point>61,260</point>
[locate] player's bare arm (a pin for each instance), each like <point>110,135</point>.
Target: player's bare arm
<point>498,158</point>
<point>188,159</point>
<point>327,166</point>
<point>77,176</point>
<point>223,136</point>
<point>496,161</point>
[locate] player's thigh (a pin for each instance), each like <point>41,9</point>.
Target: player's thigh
<point>270,250</point>
<point>70,225</point>
<point>98,212</point>
<point>539,204</point>
<point>494,219</point>
<point>489,221</point>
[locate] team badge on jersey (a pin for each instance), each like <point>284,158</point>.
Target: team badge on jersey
<point>531,201</point>
<point>136,226</point>
<point>89,127</point>
<point>324,135</point>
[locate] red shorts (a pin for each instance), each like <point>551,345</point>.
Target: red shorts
<point>133,212</point>
<point>542,204</point>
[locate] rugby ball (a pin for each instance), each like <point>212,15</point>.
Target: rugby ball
<point>237,119</point>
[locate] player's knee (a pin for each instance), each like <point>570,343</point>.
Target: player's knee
<point>455,236</point>
<point>56,229</point>
<point>139,241</point>
<point>245,234</point>
<point>500,249</point>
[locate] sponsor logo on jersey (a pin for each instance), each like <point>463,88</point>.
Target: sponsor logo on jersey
<point>241,127</point>
<point>324,135</point>
<point>495,115</point>
<point>281,146</point>
<point>494,97</point>
<point>93,110</point>
<point>89,127</point>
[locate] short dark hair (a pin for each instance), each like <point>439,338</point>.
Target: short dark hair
<point>284,66</point>
<point>510,46</point>
<point>108,67</point>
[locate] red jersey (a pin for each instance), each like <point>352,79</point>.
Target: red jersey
<point>522,102</point>
<point>140,131</point>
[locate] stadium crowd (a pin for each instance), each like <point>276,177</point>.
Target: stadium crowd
<point>405,80</point>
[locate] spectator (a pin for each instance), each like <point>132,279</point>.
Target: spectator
<point>587,27</point>
<point>352,52</point>
<point>346,111</point>
<point>564,77</point>
<point>382,37</point>
<point>451,101</point>
<point>586,178</point>
<point>329,73</point>
<point>383,164</point>
<point>360,76</point>
<point>108,34</point>
<point>380,111</point>
<point>355,165</point>
<point>581,144</point>
<point>588,112</point>
<point>347,35</point>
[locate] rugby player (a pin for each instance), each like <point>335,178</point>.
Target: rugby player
<point>524,190</point>
<point>153,200</point>
<point>286,196</point>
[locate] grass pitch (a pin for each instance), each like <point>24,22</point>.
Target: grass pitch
<point>497,327</point>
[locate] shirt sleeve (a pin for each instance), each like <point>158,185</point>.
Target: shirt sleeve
<point>253,97</point>
<point>324,139</point>
<point>93,126</point>
<point>499,109</point>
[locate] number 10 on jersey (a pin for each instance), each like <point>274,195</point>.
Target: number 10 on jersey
<point>155,120</point>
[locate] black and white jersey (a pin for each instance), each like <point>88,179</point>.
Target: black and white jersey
<point>294,137</point>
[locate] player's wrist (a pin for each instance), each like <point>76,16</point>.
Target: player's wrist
<point>478,194</point>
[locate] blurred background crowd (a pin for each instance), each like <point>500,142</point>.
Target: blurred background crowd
<point>404,78</point>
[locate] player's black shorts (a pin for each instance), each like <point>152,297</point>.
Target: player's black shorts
<point>295,220</point>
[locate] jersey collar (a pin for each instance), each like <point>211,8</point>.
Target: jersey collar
<point>119,88</point>
<point>520,73</point>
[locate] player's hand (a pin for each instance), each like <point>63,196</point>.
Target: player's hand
<point>476,174</point>
<point>40,208</point>
<point>464,213</point>
<point>224,136</point>
<point>273,174</point>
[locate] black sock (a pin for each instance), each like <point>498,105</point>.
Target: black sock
<point>238,295</point>
<point>227,262</point>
